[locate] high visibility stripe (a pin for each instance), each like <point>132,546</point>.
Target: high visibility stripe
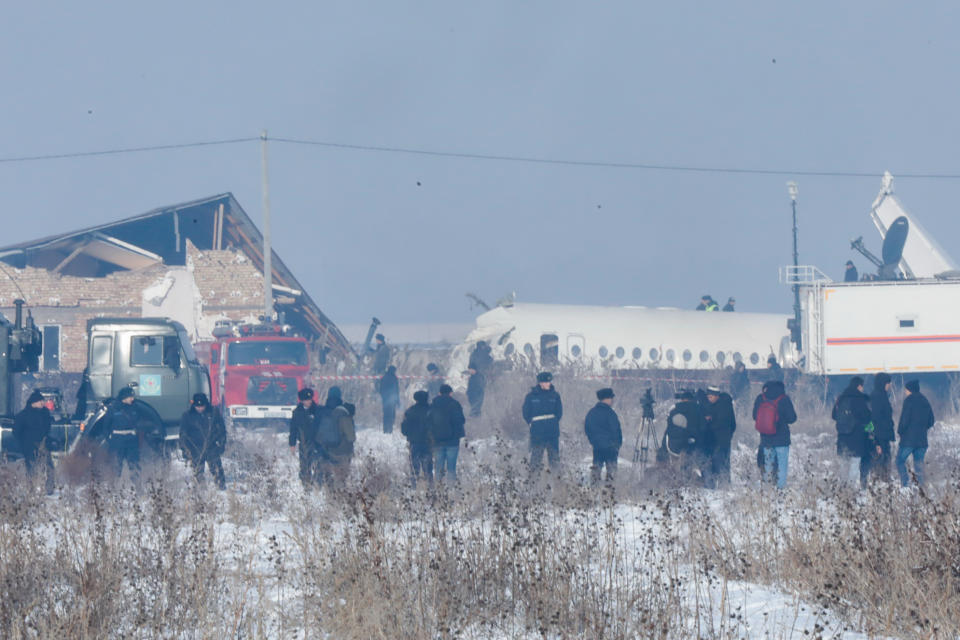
<point>893,340</point>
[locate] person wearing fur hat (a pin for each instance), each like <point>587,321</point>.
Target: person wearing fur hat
<point>852,414</point>
<point>542,410</point>
<point>203,438</point>
<point>883,432</point>
<point>916,418</point>
<point>31,427</point>
<point>602,427</point>
<point>303,430</point>
<point>415,427</point>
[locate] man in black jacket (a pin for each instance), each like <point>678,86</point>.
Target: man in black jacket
<point>436,379</point>
<point>303,429</point>
<point>542,410</point>
<point>602,427</point>
<point>720,423</point>
<point>916,418</point>
<point>776,445</point>
<point>446,429</point>
<point>416,429</point>
<point>882,416</point>
<point>203,438</point>
<point>31,427</point>
<point>121,430</point>
<point>381,355</point>
<point>480,363</point>
<point>389,397</point>
<point>852,414</point>
<point>685,438</point>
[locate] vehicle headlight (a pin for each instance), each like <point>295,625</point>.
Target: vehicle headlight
<point>240,411</point>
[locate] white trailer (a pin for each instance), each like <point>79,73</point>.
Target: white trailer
<point>900,326</point>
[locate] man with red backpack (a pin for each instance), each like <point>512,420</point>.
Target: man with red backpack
<point>773,414</point>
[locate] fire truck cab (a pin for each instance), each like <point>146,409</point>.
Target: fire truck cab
<point>256,372</point>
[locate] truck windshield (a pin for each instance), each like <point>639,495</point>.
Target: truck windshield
<point>267,352</point>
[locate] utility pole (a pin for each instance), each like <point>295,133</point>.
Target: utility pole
<point>793,191</point>
<point>267,250</point>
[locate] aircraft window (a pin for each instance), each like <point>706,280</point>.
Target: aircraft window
<point>737,357</point>
<point>621,352</point>
<point>637,353</point>
<point>528,349</point>
<point>510,348</point>
<point>654,354</point>
<point>575,351</point>
<point>721,356</point>
<point>687,356</point>
<point>704,356</point>
<point>754,358</point>
<point>670,354</point>
<point>603,352</point>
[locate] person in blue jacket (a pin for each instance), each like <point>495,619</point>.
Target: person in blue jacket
<point>542,410</point>
<point>602,427</point>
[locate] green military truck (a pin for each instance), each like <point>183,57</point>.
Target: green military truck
<point>154,356</point>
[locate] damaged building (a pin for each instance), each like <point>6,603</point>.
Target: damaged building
<point>199,262</point>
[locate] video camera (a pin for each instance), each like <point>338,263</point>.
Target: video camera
<point>647,403</point>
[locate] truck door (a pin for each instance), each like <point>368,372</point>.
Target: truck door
<point>156,364</point>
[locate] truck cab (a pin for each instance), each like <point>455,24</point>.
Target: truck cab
<point>155,356</point>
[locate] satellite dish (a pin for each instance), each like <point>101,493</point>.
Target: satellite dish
<point>892,250</point>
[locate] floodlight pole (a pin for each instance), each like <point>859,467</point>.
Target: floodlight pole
<point>267,250</point>
<point>793,191</point>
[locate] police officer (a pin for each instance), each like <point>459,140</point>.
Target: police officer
<point>31,427</point>
<point>121,429</point>
<point>203,438</point>
<point>542,410</point>
<point>303,430</point>
<point>602,427</point>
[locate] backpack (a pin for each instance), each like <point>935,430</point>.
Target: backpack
<point>328,429</point>
<point>846,420</point>
<point>768,416</point>
<point>440,425</point>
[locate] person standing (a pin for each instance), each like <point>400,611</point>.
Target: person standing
<point>684,436</point>
<point>883,432</point>
<point>303,430</point>
<point>542,410</point>
<point>83,393</point>
<point>479,366</point>
<point>446,428</point>
<point>707,303</point>
<point>850,272</point>
<point>774,370</point>
<point>203,439</point>
<point>720,423</point>
<point>435,380</point>
<point>31,428</point>
<point>389,397</point>
<point>602,427</point>
<point>916,418</point>
<point>851,412</point>
<point>731,304</point>
<point>739,380</point>
<point>415,427</point>
<point>335,464</point>
<point>381,355</point>
<point>773,414</point>
<point>121,429</point>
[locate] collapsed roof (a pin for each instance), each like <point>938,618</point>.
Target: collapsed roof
<point>160,237</point>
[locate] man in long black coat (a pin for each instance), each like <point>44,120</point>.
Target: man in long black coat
<point>389,388</point>
<point>602,427</point>
<point>415,427</point>
<point>203,439</point>
<point>542,410</point>
<point>303,430</point>
<point>883,432</point>
<point>480,363</point>
<point>31,427</point>
<point>916,418</point>
<point>852,414</point>
<point>720,422</point>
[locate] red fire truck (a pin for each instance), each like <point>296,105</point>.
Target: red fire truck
<point>255,372</point>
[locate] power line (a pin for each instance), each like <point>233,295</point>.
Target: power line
<point>608,165</point>
<point>110,152</point>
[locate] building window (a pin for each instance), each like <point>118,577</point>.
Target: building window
<point>50,353</point>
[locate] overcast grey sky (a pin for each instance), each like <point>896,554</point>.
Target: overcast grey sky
<point>820,86</point>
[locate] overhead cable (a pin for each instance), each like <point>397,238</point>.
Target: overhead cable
<point>111,152</point>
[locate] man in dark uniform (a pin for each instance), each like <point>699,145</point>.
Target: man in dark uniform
<point>203,438</point>
<point>602,427</point>
<point>416,429</point>
<point>720,422</point>
<point>707,303</point>
<point>31,427</point>
<point>542,411</point>
<point>120,427</point>
<point>731,304</point>
<point>389,388</point>
<point>850,273</point>
<point>381,355</point>
<point>480,363</point>
<point>303,430</point>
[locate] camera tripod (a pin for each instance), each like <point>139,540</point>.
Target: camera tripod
<point>646,441</point>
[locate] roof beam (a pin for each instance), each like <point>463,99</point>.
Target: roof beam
<point>73,254</point>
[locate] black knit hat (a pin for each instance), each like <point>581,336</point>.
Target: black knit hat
<point>913,386</point>
<point>544,376</point>
<point>201,400</point>
<point>445,389</point>
<point>305,394</point>
<point>605,393</point>
<point>421,397</point>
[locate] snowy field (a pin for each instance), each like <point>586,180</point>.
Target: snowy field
<point>496,557</point>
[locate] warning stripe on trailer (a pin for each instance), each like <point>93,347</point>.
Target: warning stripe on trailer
<point>893,340</point>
